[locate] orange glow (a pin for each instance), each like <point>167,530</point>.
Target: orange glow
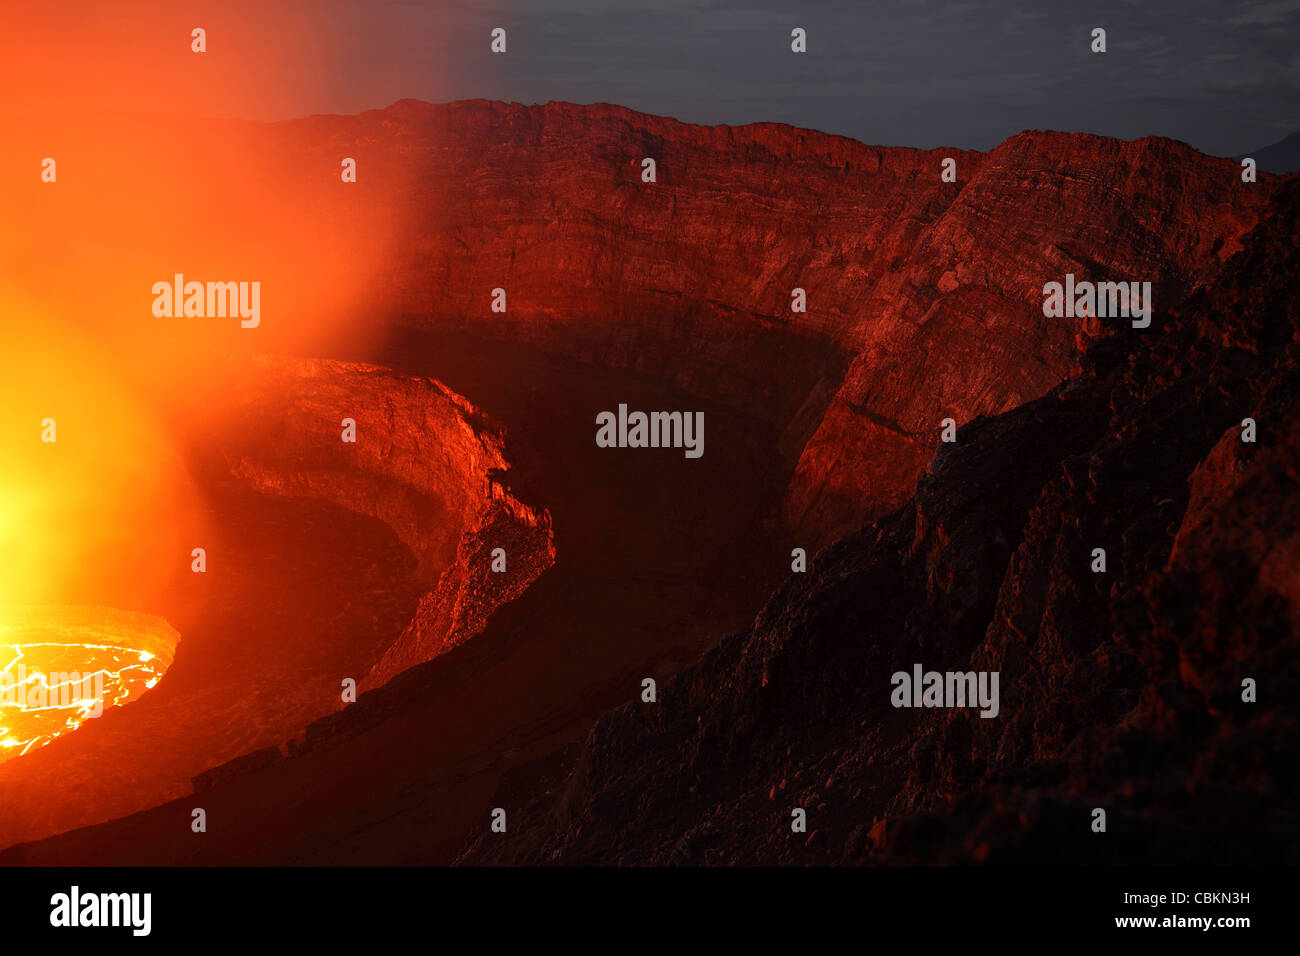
<point>115,178</point>
<point>62,666</point>
<point>145,188</point>
<point>105,512</point>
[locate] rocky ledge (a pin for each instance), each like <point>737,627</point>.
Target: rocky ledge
<point>1159,689</point>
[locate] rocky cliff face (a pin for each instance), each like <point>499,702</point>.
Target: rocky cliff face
<point>924,297</point>
<point>924,302</point>
<point>498,556</point>
<point>1121,689</point>
<point>960,329</point>
<point>425,461</point>
<point>310,579</point>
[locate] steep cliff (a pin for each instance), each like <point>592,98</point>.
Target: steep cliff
<point>310,578</point>
<point>420,458</point>
<point>512,536</point>
<point>924,297</point>
<point>924,302</point>
<point>1122,689</point>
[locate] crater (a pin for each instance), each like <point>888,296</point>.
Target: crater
<point>63,665</point>
<point>326,561</point>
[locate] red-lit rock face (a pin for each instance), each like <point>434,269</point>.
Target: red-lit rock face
<point>1123,689</point>
<point>305,584</point>
<point>961,331</point>
<point>924,297</point>
<point>421,463</point>
<point>924,302</point>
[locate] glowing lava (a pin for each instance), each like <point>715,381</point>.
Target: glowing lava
<point>61,666</point>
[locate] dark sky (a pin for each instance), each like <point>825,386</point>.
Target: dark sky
<point>1223,76</point>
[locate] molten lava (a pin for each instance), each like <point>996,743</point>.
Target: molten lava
<point>61,666</point>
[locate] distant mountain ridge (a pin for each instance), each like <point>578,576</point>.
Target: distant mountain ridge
<point>924,297</point>
<point>1278,158</point>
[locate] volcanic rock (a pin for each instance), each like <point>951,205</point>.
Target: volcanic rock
<point>420,463</point>
<point>924,297</point>
<point>1121,690</point>
<point>328,560</point>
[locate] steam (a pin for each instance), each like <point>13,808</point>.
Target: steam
<point>146,188</point>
